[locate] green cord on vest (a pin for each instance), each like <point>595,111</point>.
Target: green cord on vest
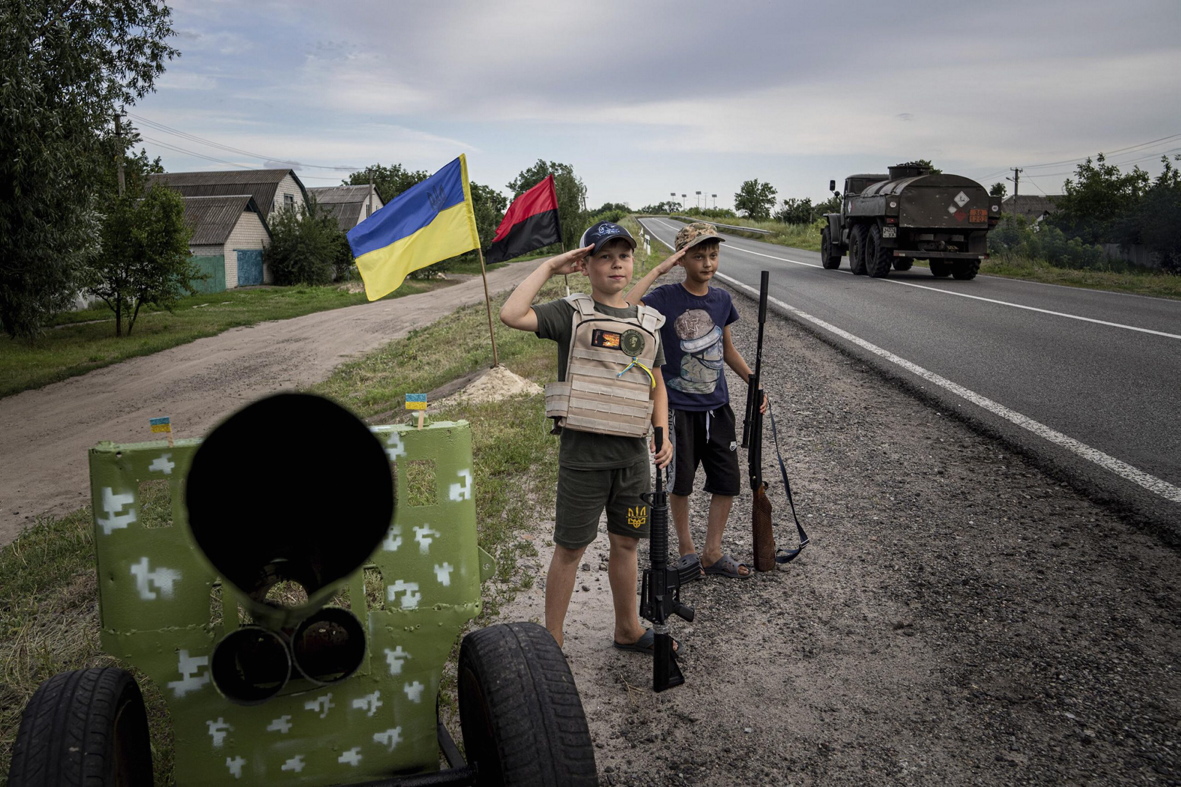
<point>647,371</point>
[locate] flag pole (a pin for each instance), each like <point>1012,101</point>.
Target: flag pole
<point>488,305</point>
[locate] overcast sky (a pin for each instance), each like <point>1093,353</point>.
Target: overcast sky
<point>645,99</point>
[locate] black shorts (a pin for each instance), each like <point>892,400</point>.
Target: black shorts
<point>583,494</point>
<point>704,438</point>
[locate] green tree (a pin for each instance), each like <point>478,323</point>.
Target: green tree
<point>143,258</point>
<point>755,199</point>
<point>67,67</point>
<point>1099,204</point>
<point>661,207</point>
<point>388,182</point>
<point>1158,219</point>
<point>999,189</point>
<point>796,211</point>
<point>925,163</point>
<point>307,246</point>
<point>571,195</point>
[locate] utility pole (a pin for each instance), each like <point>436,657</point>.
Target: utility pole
<point>119,160</point>
<point>1016,186</point>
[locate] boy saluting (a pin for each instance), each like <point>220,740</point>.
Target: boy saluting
<point>697,343</point>
<point>607,397</point>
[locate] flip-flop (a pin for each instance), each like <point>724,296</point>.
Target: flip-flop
<point>689,567</point>
<point>644,644</point>
<point>727,566</point>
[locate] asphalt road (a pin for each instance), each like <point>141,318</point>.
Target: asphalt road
<point>1087,382</point>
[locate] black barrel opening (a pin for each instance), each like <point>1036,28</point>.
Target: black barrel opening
<point>250,665</point>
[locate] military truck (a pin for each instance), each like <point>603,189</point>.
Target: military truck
<point>911,214</point>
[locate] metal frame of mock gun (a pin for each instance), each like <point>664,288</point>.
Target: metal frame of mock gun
<point>660,593</point>
<point>766,556</point>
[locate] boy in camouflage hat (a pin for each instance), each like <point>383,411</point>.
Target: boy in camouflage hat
<point>697,344</point>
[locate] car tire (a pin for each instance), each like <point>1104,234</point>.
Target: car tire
<point>522,719</point>
<point>857,250</point>
<point>83,727</point>
<point>877,258</point>
<point>939,269</point>
<point>965,269</point>
<point>903,263</point>
<point>827,258</point>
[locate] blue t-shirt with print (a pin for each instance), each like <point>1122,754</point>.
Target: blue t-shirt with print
<point>692,337</point>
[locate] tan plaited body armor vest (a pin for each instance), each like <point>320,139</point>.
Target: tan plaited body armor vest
<point>609,375</point>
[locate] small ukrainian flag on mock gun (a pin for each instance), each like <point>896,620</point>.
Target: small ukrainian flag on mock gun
<point>428,222</point>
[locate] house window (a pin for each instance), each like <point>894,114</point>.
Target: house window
<point>289,200</point>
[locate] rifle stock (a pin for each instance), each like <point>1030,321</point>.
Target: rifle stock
<point>752,439</point>
<point>660,593</point>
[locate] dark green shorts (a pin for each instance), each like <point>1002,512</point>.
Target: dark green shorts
<point>583,494</point>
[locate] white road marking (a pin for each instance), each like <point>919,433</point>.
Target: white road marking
<point>1122,469</point>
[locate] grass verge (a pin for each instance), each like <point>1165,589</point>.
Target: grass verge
<point>80,342</point>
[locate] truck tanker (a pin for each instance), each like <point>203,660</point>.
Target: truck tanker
<point>890,221</point>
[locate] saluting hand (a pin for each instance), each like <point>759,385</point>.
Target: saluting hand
<point>573,261</point>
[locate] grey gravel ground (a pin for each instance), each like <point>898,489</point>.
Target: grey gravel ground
<point>961,617</point>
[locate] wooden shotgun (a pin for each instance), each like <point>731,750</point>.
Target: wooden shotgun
<point>752,440</point>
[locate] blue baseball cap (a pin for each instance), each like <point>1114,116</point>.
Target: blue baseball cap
<point>605,232</point>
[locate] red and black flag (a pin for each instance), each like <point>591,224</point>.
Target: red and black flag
<point>530,223</point>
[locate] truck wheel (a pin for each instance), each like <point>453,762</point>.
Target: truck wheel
<point>83,727</point>
<point>827,259</point>
<point>939,269</point>
<point>857,250</point>
<point>965,269</point>
<point>519,709</point>
<point>877,258</point>
<point>903,263</point>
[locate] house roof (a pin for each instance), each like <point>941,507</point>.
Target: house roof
<point>343,203</point>
<point>259,183</point>
<point>1031,206</point>
<point>213,218</point>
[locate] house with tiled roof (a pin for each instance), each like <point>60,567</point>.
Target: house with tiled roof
<point>229,235</point>
<point>271,189</point>
<point>349,205</point>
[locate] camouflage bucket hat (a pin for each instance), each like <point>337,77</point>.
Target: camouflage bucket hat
<point>697,232</point>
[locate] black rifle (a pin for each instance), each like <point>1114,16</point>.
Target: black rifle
<point>660,594</point>
<point>765,554</point>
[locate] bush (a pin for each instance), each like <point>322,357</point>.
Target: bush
<point>307,247</point>
<point>1043,242</point>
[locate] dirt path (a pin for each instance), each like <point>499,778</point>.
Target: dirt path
<point>47,432</point>
<point>959,618</point>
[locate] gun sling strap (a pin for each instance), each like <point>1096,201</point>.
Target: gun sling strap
<point>786,555</point>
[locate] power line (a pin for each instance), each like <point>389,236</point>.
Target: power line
<point>1106,155</point>
<point>201,140</point>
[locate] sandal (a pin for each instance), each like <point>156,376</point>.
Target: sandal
<point>727,566</point>
<point>644,644</point>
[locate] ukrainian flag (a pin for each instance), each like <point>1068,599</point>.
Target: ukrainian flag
<point>426,223</point>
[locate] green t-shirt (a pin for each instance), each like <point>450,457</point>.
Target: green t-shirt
<point>588,450</point>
